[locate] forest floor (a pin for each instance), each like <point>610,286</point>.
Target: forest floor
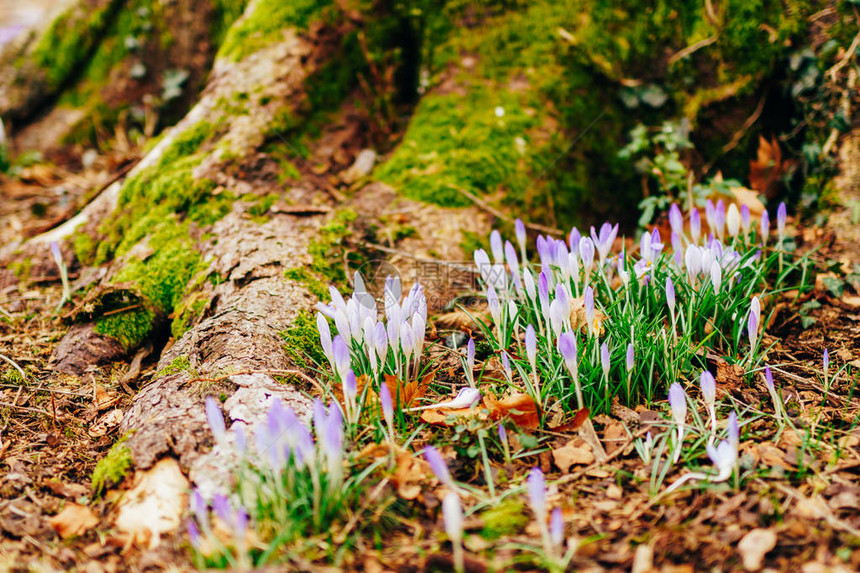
<point>798,507</point>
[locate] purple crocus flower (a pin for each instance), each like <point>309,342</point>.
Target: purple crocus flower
<point>573,240</point>
<point>710,214</point>
<point>241,439</point>
<point>765,227</point>
<point>513,265</point>
<point>677,248</point>
<point>407,340</point>
<point>676,220</point>
<point>630,357</point>
<point>709,395</point>
<point>506,365</point>
<point>221,507</point>
<point>586,253</point>
<point>604,359</point>
<point>753,322</point>
<point>826,362</point>
<point>387,406</point>
<point>503,434</point>
<point>438,466</point>
<point>720,218</point>
<point>556,527</point>
<point>529,284</point>
<point>768,379</point>
<point>567,349</point>
<point>556,316</point>
<point>531,346</point>
<point>780,220</point>
<point>543,294</point>
<point>678,404</point>
<point>716,276</point>
<point>340,352</point>
<point>745,219</point>
<point>670,295</point>
<point>452,514</point>
<point>589,310</point>
<point>215,419</point>
<point>380,341</point>
<point>733,431</point>
<point>199,508</point>
<point>520,232</point>
<point>496,246</point>
<point>482,262</point>
<point>695,225</point>
<point>604,241</point>
<point>193,534</point>
<point>537,494</point>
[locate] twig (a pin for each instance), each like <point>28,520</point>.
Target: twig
<point>66,392</point>
<point>845,59</point>
<point>119,310</point>
<point>25,408</point>
<point>12,362</point>
<point>499,215</point>
<point>391,251</point>
<point>691,49</point>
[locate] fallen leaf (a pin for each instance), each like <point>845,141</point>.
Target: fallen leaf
<point>571,454</point>
<point>106,423</point>
<point>447,416</point>
<point>406,393</point>
<point>748,197</point>
<point>578,420</point>
<point>73,521</point>
<point>70,490</point>
<point>154,504</point>
<point>519,408</point>
<point>578,317</point>
<point>410,472</point>
<point>754,546</point>
<point>614,436</point>
<point>768,168</point>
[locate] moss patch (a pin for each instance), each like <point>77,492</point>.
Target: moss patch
<point>506,518</point>
<point>130,329</point>
<point>112,469</point>
<point>325,249</point>
<point>266,24</point>
<point>302,341</point>
<point>302,275</point>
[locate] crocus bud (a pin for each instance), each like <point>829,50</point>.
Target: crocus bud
<point>589,309</point>
<point>745,219</point>
<point>520,232</point>
<point>350,386</point>
<point>407,340</point>
<point>695,225</point>
<point>586,253</point>
<point>495,306</point>
<point>780,220</point>
<point>567,349</point>
<point>380,341</point>
<point>340,353</point>
<point>604,358</point>
<point>716,276</point>
<point>452,513</point>
<point>753,321</point>
<point>710,215</point>
<point>506,365</point>
<point>496,246</point>
<point>193,534</point>
<point>678,404</point>
<point>470,355</point>
<point>676,220</point>
<point>573,240</point>
<point>556,527</point>
<point>630,357</point>
<point>503,434</point>
<point>720,218</point>
<point>709,395</point>
<point>733,220</point>
<point>215,419</point>
<point>556,316</point>
<point>438,466</point>
<point>531,346</point>
<point>670,295</point>
<point>529,284</point>
<point>768,379</point>
<point>537,494</point>
<point>387,406</point>
<point>826,362</point>
<point>765,227</point>
<point>513,265</point>
<point>482,261</point>
<point>733,431</point>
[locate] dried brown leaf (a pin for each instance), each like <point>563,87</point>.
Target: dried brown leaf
<point>73,521</point>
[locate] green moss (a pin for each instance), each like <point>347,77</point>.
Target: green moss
<point>187,313</point>
<point>261,206</point>
<point>177,365</point>
<point>112,468</point>
<point>456,142</point>
<point>266,24</point>
<point>21,269</point>
<point>302,341</point>
<point>506,518</point>
<point>84,246</point>
<point>302,275</point>
<point>68,41</point>
<point>325,249</point>
<point>130,328</point>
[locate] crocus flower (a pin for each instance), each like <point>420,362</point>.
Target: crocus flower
<point>241,439</point>
<point>676,220</point>
<point>470,362</point>
<point>573,240</point>
<point>733,430</point>
<point>482,262</point>
<point>452,514</point>
<point>193,534</point>
<point>710,214</point>
<point>497,247</point>
<point>670,296</point>
<point>630,357</point>
<point>529,285</point>
<point>678,404</point>
<point>537,494</point>
<point>221,507</point>
<point>438,466</point>
<point>557,316</point>
<point>215,418</point>
<point>531,346</point>
<point>586,253</point>
<point>709,395</point>
<point>745,219</point>
<point>387,406</point>
<point>780,221</point>
<point>765,227</point>
<point>604,359</point>
<point>200,508</point>
<point>506,366</point>
<point>340,352</point>
<point>520,232</point>
<point>695,225</point>
<point>733,220</point>
<point>826,361</point>
<point>589,311</point>
<point>774,396</point>
<point>513,265</point>
<point>350,387</point>
<point>556,527</point>
<point>753,322</point>
<point>380,341</point>
<point>605,240</point>
<point>503,434</point>
<point>716,276</point>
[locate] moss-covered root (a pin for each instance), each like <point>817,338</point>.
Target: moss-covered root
<point>112,469</point>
